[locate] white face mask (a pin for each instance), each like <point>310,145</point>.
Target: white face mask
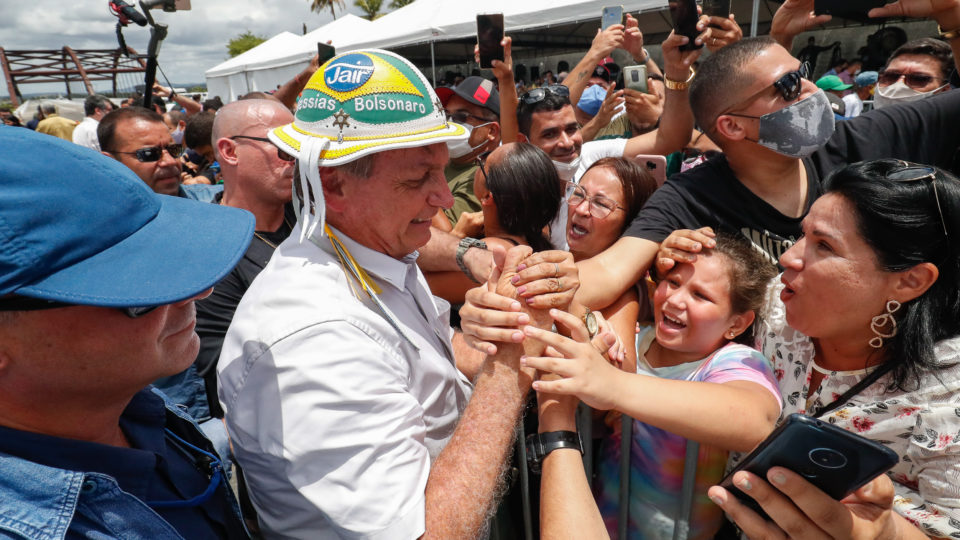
<point>462,147</point>
<point>567,170</point>
<point>899,92</point>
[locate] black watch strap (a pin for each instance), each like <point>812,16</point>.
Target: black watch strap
<point>541,444</point>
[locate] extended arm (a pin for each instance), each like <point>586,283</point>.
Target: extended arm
<point>287,94</point>
<point>606,276</point>
<point>603,44</point>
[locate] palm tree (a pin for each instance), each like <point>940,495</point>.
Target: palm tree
<point>320,5</point>
<point>370,7</point>
<point>397,4</point>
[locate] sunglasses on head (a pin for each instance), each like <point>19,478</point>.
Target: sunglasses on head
<point>911,172</point>
<point>913,80</point>
<point>26,303</point>
<point>280,153</point>
<point>539,94</point>
<point>481,161</point>
<point>149,154</point>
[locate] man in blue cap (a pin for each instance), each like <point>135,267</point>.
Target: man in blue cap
<point>98,276</point>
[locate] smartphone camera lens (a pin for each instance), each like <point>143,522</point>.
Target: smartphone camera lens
<point>827,458</point>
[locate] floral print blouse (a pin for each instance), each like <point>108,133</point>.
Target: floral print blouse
<point>921,426</point>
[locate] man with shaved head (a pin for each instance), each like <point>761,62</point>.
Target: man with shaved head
<point>256,177</point>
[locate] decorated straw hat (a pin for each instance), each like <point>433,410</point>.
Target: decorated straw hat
<point>363,102</point>
<point>356,104</point>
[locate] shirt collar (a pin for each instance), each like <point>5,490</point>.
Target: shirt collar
<point>386,268</point>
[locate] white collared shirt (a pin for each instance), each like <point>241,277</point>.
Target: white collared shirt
<point>85,134</point>
<point>334,416</point>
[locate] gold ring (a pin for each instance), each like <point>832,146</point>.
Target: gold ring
<point>557,273</point>
<point>554,285</point>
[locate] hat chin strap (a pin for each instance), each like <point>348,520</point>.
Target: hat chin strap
<point>312,209</point>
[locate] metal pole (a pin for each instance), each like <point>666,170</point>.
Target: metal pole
<point>753,18</point>
<point>433,65</point>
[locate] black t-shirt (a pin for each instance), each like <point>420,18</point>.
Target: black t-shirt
<point>215,312</point>
<point>924,131</point>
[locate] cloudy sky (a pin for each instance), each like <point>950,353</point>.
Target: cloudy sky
<point>197,39</point>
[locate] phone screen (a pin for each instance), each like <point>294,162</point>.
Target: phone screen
<point>489,36</point>
<point>684,14</point>
<point>611,15</point>
<point>325,51</point>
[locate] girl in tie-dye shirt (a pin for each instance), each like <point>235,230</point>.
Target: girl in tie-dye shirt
<point>693,380</point>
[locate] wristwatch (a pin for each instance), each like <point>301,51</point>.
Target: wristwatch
<point>590,321</point>
<point>462,248</point>
<point>679,85</point>
<point>541,444</point>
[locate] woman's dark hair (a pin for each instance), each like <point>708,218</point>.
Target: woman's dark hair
<point>527,192</point>
<point>750,271</point>
<point>907,223</point>
<point>636,182</point>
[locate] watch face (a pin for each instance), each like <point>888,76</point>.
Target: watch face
<point>590,320</point>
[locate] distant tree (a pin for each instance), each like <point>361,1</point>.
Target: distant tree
<point>243,43</point>
<point>397,4</point>
<point>197,89</point>
<point>371,8</point>
<point>320,5</point>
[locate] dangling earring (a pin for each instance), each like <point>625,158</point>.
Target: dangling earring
<point>878,323</point>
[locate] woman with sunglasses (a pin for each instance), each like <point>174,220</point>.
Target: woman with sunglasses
<point>863,329</point>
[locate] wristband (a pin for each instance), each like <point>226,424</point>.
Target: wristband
<point>679,85</point>
<point>541,444</point>
<point>462,248</point>
<point>646,56</point>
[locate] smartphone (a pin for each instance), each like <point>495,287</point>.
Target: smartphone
<point>489,36</point>
<point>325,51</point>
<point>716,8</point>
<point>655,165</point>
<point>685,17</point>
<point>610,16</point>
<point>635,78</point>
<point>848,9</point>
<point>833,459</point>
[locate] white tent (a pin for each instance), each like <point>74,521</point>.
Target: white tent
<point>276,60</point>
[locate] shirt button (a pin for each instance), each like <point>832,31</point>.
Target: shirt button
<point>88,486</point>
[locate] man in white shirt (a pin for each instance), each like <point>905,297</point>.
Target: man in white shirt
<point>338,375</point>
<point>95,107</point>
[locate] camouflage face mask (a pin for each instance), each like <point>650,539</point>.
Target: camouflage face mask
<point>798,130</point>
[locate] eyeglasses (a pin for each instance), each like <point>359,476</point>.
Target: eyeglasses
<point>539,94</point>
<point>481,161</point>
<point>461,117</point>
<point>26,303</point>
<point>149,154</point>
<point>696,152</point>
<point>913,80</point>
<point>600,206</point>
<point>789,85</point>
<point>909,172</point>
<point>280,153</point>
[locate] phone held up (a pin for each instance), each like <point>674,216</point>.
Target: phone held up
<point>685,17</point>
<point>635,78</point>
<point>835,460</point>
<point>489,36</point>
<point>325,52</point>
<point>849,9</point>
<point>610,16</point>
<point>716,8</point>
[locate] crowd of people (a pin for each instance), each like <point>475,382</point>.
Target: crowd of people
<point>364,307</point>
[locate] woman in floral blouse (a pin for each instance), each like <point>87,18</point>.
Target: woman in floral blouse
<point>871,293</point>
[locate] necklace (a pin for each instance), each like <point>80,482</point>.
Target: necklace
<point>286,224</point>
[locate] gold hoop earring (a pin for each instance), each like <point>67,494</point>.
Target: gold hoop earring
<point>878,323</point>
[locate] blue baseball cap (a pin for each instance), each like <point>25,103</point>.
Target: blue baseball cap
<point>81,228</point>
<point>866,78</point>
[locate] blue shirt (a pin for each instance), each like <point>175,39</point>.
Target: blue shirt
<point>156,468</point>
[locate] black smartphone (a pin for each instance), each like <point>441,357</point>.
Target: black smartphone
<point>685,17</point>
<point>610,16</point>
<point>489,36</point>
<point>325,51</point>
<point>848,9</point>
<point>716,8</point>
<point>833,459</point>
